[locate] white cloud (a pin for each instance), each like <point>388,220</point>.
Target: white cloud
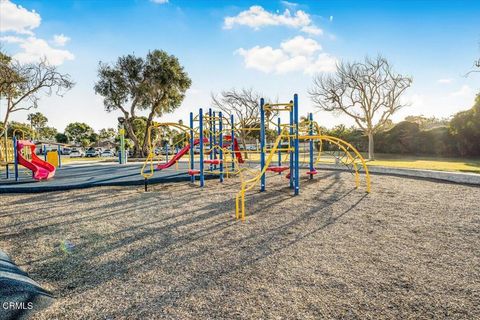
<point>464,91</point>
<point>159,1</point>
<point>60,40</point>
<point>298,54</point>
<point>445,81</point>
<point>11,39</point>
<point>289,4</point>
<point>264,59</point>
<point>300,46</point>
<point>35,49</point>
<point>313,30</point>
<point>324,63</point>
<point>17,18</point>
<point>257,17</point>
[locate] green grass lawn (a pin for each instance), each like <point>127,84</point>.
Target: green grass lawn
<point>425,162</point>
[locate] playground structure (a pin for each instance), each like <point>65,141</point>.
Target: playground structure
<point>21,153</point>
<point>216,137</point>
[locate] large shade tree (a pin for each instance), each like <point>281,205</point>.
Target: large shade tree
<point>369,92</point>
<point>155,84</point>
<point>79,132</point>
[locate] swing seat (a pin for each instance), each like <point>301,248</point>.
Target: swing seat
<point>312,172</point>
<point>277,169</point>
<point>213,161</point>
<point>193,172</point>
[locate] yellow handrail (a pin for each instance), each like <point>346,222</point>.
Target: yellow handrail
<point>253,181</point>
<point>344,145</point>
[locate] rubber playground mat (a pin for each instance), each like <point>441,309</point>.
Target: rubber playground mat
<point>93,175</point>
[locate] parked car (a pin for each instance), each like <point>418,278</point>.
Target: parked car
<point>92,153</point>
<point>107,153</point>
<point>66,151</point>
<point>170,151</point>
<point>77,153</point>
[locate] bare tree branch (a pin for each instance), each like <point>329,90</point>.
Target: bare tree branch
<point>369,92</point>
<point>244,104</point>
<point>22,84</point>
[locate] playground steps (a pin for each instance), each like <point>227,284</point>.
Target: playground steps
<point>213,161</point>
<point>193,172</point>
<point>277,168</point>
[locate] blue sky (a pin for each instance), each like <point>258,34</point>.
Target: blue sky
<point>226,44</point>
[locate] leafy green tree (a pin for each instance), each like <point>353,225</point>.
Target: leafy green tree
<point>78,131</point>
<point>427,123</point>
<point>61,138</point>
<point>85,142</point>
<point>47,133</point>
<point>20,130</point>
<point>465,127</point>
<point>107,134</point>
<point>37,121</point>
<point>156,83</point>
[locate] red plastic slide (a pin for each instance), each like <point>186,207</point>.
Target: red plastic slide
<point>180,154</point>
<point>185,149</point>
<point>238,154</point>
<point>42,170</point>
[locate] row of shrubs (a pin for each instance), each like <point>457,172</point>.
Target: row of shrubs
<point>459,137</point>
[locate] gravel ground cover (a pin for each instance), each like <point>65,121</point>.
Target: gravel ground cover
<point>408,250</point>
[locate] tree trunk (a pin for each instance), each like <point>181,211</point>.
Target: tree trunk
<point>131,133</point>
<point>144,150</point>
<point>371,147</point>
<point>7,114</point>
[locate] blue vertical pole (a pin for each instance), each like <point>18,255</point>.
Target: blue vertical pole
<point>310,132</point>
<point>279,131</point>
<point>210,136</point>
<point>297,158</point>
<point>192,150</point>
<point>166,152</point>
<point>292,145</point>
<point>262,143</point>
<point>220,142</point>
<point>232,142</point>
<point>202,180</point>
<point>15,157</point>
<point>214,139</point>
<point>44,150</point>
<point>59,156</point>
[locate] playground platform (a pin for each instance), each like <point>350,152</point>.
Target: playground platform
<point>78,176</point>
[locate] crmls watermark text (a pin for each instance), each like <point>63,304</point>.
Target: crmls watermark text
<point>17,305</point>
